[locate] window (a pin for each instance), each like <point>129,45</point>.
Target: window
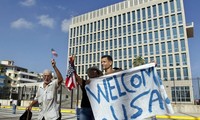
<point>163,47</point>
<point>185,73</point>
<point>157,48</point>
<point>166,7</point>
<point>173,20</point>
<point>164,60</point>
<point>170,60</point>
<point>102,24</point>
<point>125,54</point>
<point>172,6</point>
<point>124,18</point>
<point>129,52</point>
<point>119,20</point>
<point>158,61</point>
<point>154,11</point>
<point>178,73</point>
<point>174,32</point>
<point>167,21</point>
<point>171,72</point>
<point>151,49</point>
<point>145,37</point>
<point>133,16</point>
<point>155,22</point>
<point>177,58</point>
<point>156,35</point>
<point>160,9</point>
<point>165,74</point>
<point>124,41</point>
<point>168,33</point>
<point>138,15</point>
<point>145,50</point>
<point>181,31</point>
<point>162,35</point>
<point>143,13</point>
<point>140,51</point>
<point>176,48</point>
<point>180,20</point>
<point>129,17</point>
<point>161,22</point>
<point>181,94</point>
<point>182,45</point>
<point>149,12</point>
<point>144,26</point>
<point>178,4</point>
<point>150,24</point>
<point>169,45</point>
<point>184,59</point>
<point>135,51</point>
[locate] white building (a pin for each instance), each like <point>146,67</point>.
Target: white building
<point>153,29</point>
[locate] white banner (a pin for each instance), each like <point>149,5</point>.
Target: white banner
<point>136,94</point>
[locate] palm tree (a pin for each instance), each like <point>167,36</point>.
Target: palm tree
<point>137,61</point>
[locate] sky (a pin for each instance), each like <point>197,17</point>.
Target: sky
<point>30,28</point>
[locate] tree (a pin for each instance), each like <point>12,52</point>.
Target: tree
<point>137,61</point>
<point>1,68</point>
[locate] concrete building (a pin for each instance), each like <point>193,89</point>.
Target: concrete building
<point>153,29</point>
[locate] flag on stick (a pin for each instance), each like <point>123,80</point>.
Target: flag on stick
<point>54,52</point>
<point>71,73</point>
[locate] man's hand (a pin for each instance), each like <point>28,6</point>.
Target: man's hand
<point>53,63</point>
<point>29,108</point>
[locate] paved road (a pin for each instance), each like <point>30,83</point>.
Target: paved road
<point>6,114</point>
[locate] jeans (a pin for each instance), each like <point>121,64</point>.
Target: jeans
<point>86,114</point>
<point>14,108</point>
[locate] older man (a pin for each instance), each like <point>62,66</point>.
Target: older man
<point>47,95</point>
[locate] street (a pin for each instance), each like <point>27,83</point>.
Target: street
<point>6,114</point>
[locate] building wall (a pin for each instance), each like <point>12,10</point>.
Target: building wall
<point>152,29</point>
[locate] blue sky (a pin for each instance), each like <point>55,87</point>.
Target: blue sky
<point>30,28</point>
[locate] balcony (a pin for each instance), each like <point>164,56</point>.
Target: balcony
<point>190,29</point>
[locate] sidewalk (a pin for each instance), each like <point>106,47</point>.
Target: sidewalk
<point>176,116</point>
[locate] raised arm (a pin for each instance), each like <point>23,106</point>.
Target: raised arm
<point>58,74</point>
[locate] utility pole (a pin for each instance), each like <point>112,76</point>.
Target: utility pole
<point>198,80</point>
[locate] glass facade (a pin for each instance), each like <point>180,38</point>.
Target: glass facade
<point>155,32</point>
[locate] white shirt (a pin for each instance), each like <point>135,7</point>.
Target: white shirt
<point>47,99</point>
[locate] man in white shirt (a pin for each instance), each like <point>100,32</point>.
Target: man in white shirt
<point>47,95</point>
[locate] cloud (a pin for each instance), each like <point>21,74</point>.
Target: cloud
<point>46,21</point>
<point>28,2</point>
<point>61,7</point>
<point>21,23</point>
<point>65,25</point>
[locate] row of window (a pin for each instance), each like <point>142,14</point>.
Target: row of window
<point>180,94</point>
<point>141,26</point>
<point>139,14</point>
<point>129,49</point>
<point>146,37</point>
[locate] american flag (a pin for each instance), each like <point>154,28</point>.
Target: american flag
<point>71,73</point>
<point>54,52</point>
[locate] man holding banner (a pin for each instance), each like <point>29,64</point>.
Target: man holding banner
<point>122,95</point>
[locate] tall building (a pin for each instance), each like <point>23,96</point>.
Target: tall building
<point>153,29</point>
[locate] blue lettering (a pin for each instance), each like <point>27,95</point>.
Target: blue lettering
<point>124,84</point>
<point>124,112</point>
<point>111,88</point>
<point>155,92</point>
<point>137,114</point>
<point>100,91</point>
<point>118,87</point>
<point>133,78</point>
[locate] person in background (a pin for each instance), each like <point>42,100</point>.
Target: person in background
<point>14,106</point>
<point>46,95</point>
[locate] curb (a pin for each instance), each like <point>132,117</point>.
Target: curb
<point>177,117</point>
<point>73,111</point>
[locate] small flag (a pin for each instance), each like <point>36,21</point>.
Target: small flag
<point>70,82</point>
<point>54,52</point>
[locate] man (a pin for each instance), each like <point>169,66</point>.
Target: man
<point>14,106</point>
<point>47,95</point>
<point>107,63</point>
